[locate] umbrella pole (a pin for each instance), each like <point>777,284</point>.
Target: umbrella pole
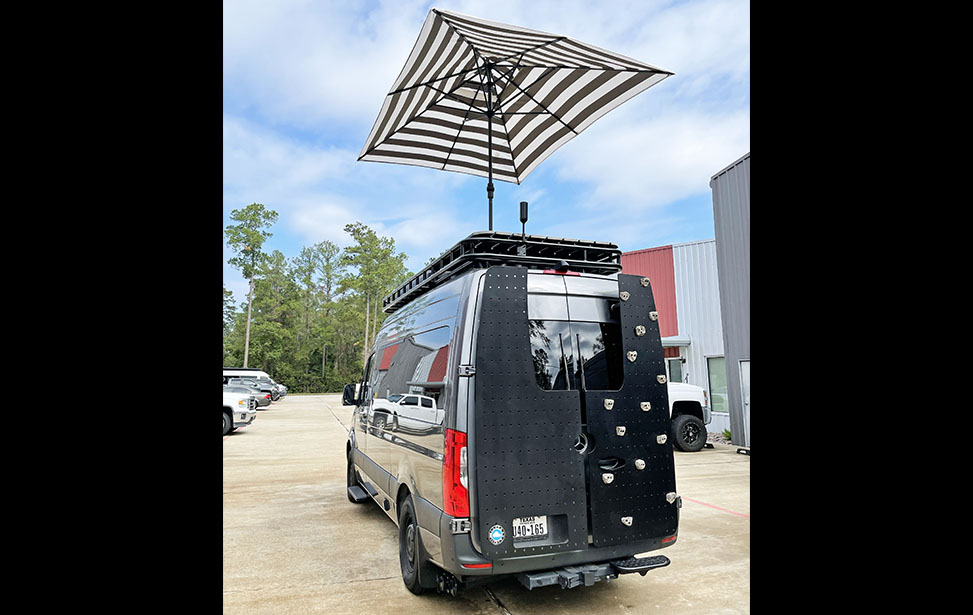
<point>489,93</point>
<point>490,166</point>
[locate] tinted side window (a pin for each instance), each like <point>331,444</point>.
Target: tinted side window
<point>410,401</point>
<point>551,351</point>
<point>415,364</point>
<point>575,355</point>
<point>600,355</point>
<point>426,403</point>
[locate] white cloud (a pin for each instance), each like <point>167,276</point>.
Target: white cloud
<point>651,161</point>
<point>304,81</point>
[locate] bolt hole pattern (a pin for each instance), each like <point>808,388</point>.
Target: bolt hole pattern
<point>527,463</point>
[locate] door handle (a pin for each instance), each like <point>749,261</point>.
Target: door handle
<point>611,464</point>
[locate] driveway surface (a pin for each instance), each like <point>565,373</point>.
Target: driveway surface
<point>293,543</point>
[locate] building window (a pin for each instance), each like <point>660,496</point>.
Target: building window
<point>675,370</point>
<point>716,366</point>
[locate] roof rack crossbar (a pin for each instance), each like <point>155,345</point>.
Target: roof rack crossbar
<point>487,248</point>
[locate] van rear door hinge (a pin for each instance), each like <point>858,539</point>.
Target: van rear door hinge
<point>467,370</point>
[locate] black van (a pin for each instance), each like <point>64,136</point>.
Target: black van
<point>513,417</point>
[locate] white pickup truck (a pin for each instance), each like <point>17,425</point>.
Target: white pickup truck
<point>406,412</point>
<point>688,409</point>
<point>239,409</point>
<point>690,413</point>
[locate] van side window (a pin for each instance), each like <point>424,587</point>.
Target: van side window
<point>414,364</point>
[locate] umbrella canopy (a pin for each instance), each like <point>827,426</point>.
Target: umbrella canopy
<point>495,100</point>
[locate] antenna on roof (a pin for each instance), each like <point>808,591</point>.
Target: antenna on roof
<point>522,248</point>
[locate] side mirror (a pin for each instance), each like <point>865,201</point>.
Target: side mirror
<point>348,397</point>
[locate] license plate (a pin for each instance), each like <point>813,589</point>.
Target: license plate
<point>530,528</point>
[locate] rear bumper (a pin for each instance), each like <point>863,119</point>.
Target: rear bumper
<point>461,558</point>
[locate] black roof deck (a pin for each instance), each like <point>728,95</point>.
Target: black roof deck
<point>488,248</point>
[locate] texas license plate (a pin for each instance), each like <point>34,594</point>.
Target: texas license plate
<point>530,528</point>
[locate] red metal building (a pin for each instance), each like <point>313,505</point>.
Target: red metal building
<point>656,264</point>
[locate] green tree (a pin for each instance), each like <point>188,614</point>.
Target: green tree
<point>378,268</point>
<point>316,272</point>
<point>229,315</point>
<point>245,239</point>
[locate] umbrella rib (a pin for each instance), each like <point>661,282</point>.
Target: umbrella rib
<point>454,97</point>
<point>539,103</point>
<point>500,103</point>
<point>394,132</point>
<point>534,48</point>
<point>463,123</point>
<point>462,72</point>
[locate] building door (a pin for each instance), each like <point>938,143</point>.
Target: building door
<point>745,392</point>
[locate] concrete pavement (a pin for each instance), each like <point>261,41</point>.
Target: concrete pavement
<point>293,543</point>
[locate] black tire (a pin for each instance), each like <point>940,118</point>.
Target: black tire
<point>411,559</point>
<point>688,433</point>
<point>227,423</point>
<point>352,477</point>
<point>379,421</point>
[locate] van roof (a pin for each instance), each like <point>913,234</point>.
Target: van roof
<point>487,248</point>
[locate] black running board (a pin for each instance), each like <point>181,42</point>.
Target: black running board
<point>589,574</point>
<point>357,494</point>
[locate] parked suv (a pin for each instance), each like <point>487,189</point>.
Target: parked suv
<point>239,409</point>
<point>545,451</point>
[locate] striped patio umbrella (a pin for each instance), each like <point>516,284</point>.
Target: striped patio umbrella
<point>495,100</point>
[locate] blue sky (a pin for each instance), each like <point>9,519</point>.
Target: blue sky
<point>304,80</point>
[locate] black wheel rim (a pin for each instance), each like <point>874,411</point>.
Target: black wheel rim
<point>409,546</point>
<point>690,433</point>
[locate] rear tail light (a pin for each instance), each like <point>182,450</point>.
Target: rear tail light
<point>456,495</point>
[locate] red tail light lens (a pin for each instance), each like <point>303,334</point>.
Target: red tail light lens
<point>456,497</point>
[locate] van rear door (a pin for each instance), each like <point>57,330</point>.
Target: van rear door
<point>568,413</point>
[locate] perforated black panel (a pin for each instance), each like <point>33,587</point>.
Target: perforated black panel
<point>526,463</point>
<point>525,459</point>
<point>639,494</point>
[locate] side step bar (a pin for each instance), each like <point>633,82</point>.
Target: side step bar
<point>589,574</point>
<point>357,494</point>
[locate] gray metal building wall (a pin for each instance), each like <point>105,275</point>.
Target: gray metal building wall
<point>731,217</point>
<point>698,306</point>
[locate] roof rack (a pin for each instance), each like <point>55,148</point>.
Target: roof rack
<point>487,248</point>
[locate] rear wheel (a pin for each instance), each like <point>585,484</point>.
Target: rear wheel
<point>410,546</point>
<point>689,433</point>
